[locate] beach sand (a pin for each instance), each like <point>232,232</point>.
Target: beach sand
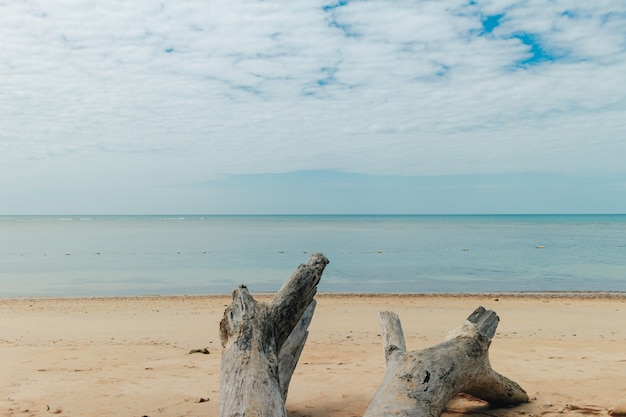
<point>130,356</point>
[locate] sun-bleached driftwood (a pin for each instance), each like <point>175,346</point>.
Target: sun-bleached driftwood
<point>262,344</point>
<point>420,383</point>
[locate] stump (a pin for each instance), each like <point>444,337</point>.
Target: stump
<point>262,344</point>
<point>420,383</point>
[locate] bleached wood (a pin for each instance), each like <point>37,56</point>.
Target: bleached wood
<point>420,383</point>
<point>262,343</point>
<point>393,336</point>
<point>291,350</point>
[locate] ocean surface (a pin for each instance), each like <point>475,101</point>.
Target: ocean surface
<point>166,255</point>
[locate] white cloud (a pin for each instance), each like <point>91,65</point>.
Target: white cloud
<point>196,89</point>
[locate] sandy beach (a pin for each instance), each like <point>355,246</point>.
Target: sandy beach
<point>131,356</point>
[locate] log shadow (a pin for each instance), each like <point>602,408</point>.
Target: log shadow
<point>467,406</point>
<point>352,407</point>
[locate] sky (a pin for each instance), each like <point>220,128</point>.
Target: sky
<point>312,107</point>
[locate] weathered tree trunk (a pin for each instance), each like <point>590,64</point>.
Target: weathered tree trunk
<point>420,383</point>
<point>262,343</point>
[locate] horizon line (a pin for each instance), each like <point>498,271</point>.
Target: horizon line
<point>173,215</point>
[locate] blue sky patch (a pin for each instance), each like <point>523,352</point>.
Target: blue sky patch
<point>443,71</point>
<point>538,53</point>
<point>329,78</point>
<point>569,13</point>
<point>330,7</point>
<point>491,22</point>
<point>345,28</point>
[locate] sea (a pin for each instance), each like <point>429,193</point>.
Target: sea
<point>88,256</point>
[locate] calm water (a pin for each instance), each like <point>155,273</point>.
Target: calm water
<point>131,255</point>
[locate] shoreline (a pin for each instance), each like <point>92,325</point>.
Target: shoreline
<point>505,294</point>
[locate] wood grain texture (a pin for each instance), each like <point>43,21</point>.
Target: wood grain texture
<point>262,343</point>
<point>420,383</point>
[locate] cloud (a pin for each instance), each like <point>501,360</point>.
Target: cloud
<point>193,89</point>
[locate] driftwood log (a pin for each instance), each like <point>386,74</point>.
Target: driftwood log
<point>420,383</point>
<point>262,344</point>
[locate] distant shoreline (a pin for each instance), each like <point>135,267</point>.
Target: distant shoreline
<point>199,216</point>
<point>504,295</point>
